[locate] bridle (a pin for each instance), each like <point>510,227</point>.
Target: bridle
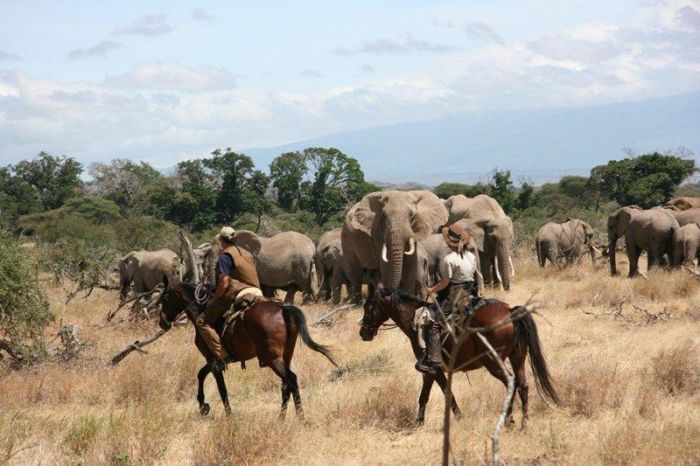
<point>201,295</point>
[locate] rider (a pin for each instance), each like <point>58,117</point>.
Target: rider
<point>235,274</point>
<point>458,274</point>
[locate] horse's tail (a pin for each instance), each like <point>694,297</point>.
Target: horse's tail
<point>526,333</point>
<point>296,314</point>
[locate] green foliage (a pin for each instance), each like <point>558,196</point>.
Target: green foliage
<point>24,307</point>
<point>647,180</point>
<point>321,180</point>
<point>287,172</point>
<point>40,184</point>
<point>503,190</point>
<point>445,190</point>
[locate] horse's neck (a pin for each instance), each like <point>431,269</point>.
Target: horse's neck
<point>403,316</point>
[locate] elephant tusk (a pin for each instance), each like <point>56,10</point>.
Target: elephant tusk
<point>498,274</point>
<point>384,253</point>
<point>512,267</point>
<point>411,247</point>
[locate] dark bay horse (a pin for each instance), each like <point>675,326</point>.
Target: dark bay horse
<point>268,331</point>
<point>511,339</point>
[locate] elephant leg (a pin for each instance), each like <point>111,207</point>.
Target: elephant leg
<point>289,296</point>
<point>633,252</point>
<point>336,283</point>
<point>355,275</point>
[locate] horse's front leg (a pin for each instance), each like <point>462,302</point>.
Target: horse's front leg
<point>442,382</point>
<point>201,375</point>
<point>221,384</point>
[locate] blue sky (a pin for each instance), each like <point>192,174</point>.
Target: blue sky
<point>164,81</point>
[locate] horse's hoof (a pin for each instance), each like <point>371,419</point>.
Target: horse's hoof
<point>204,409</point>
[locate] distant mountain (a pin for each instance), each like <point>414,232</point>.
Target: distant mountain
<point>538,145</point>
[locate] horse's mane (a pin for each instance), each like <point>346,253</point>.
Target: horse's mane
<point>398,296</point>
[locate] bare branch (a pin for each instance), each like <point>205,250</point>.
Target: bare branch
<point>135,346</point>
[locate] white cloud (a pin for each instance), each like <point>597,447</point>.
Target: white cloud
<point>391,47</point>
<point>5,55</point>
<point>199,14</point>
<point>173,76</point>
<point>148,25</point>
<point>98,50</point>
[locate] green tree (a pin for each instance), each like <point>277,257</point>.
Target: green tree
<point>194,204</point>
<point>334,183</point>
<point>55,179</point>
<point>287,172</point>
<point>647,180</point>
<point>502,189</point>
<point>526,196</point>
<point>240,188</point>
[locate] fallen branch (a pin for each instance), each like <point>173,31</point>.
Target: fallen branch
<point>135,346</point>
<point>692,272</point>
<point>14,352</point>
<point>326,318</point>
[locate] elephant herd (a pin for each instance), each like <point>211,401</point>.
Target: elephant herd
<point>391,239</point>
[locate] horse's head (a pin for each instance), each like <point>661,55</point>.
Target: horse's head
<point>373,317</point>
<point>176,297</point>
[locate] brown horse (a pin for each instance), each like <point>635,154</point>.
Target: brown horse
<point>267,330</point>
<point>512,339</point>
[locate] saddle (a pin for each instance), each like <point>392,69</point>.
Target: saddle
<point>236,312</point>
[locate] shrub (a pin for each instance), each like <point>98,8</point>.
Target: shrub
<point>24,307</point>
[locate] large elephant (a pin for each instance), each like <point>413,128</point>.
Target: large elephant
<point>567,241</point>
<point>686,244</point>
<point>686,217</point>
<point>379,237</point>
<point>683,203</point>
<point>146,269</point>
<point>436,248</point>
<point>649,230</point>
<point>492,231</point>
<point>330,266</point>
<point>284,261</point>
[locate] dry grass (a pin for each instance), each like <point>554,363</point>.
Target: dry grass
<point>630,382</point>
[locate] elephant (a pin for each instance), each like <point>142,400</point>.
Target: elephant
<point>686,244</point>
<point>683,203</point>
<point>688,216</point>
<point>556,241</point>
<point>436,248</point>
<point>650,230</point>
<point>492,231</point>
<point>284,261</point>
<point>146,269</point>
<point>379,237</point>
<point>330,266</point>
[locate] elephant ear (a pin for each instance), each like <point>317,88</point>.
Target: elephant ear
<point>429,213</point>
<point>248,241</point>
<point>361,215</point>
<point>475,230</point>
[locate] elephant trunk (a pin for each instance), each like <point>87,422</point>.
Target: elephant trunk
<point>393,251</point>
<point>504,267</point>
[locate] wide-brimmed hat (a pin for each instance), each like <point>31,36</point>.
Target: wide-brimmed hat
<point>455,235</point>
<point>227,233</point>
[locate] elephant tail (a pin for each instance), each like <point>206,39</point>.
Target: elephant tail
<point>539,252</point>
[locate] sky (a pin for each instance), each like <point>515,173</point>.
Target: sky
<point>165,81</point>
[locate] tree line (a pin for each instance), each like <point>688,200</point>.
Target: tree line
<point>318,182</point>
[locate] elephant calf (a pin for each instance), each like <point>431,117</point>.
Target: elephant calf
<point>146,269</point>
<point>564,241</point>
<point>330,266</point>
<point>686,244</point>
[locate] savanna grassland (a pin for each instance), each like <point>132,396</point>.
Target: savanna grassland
<point>624,354</point>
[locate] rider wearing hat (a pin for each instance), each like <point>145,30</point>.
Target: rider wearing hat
<point>236,275</point>
<point>458,277</point>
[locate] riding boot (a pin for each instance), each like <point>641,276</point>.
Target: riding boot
<point>432,354</point>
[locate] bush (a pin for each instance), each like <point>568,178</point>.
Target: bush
<point>24,307</point>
